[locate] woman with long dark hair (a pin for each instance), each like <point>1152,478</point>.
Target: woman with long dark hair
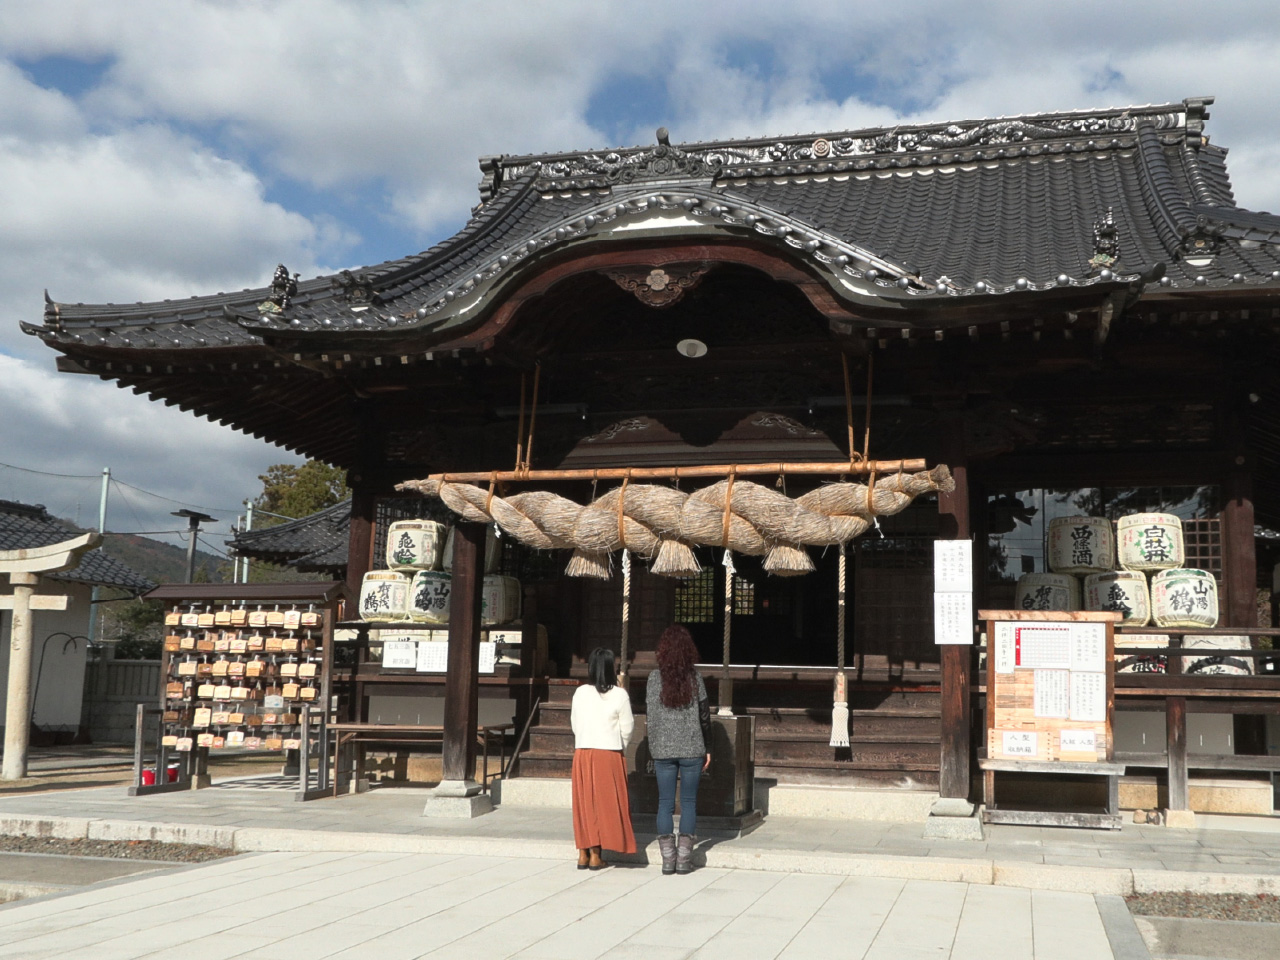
<point>679,724</point>
<point>602,724</point>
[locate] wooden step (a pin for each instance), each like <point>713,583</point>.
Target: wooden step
<point>857,736</point>
<point>852,777</point>
<point>868,754</point>
<point>889,727</point>
<point>551,741</point>
<point>542,765</point>
<point>770,767</point>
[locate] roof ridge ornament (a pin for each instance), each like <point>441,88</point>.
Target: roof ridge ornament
<point>1106,243</point>
<point>661,162</point>
<point>283,290</point>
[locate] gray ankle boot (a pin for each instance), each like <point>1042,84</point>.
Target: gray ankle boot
<point>684,852</point>
<point>667,845</point>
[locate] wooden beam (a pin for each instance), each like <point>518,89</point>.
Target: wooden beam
<point>462,686</point>
<point>882,468</point>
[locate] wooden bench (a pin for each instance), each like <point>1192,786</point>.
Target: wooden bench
<point>1110,820</point>
<point>349,741</point>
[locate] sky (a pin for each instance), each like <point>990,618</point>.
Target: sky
<point>154,149</point>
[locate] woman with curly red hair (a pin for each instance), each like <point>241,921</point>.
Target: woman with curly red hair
<point>679,724</point>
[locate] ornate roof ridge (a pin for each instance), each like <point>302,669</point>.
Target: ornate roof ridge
<point>714,158</point>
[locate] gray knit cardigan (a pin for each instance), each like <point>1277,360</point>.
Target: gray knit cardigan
<point>674,732</point>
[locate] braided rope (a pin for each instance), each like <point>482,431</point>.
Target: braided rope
<point>661,523</point>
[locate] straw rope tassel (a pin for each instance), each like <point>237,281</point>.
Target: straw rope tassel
<point>626,616</point>
<point>725,709</point>
<point>840,706</point>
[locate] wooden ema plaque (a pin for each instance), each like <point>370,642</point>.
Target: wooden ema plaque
<point>1050,685</point>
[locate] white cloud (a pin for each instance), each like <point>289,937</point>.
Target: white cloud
<point>155,182</point>
<point>76,425</point>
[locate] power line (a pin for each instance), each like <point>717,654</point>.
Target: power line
<point>96,477</point>
<point>43,473</point>
<point>181,503</point>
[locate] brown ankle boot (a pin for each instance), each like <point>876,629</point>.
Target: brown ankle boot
<point>596,862</point>
<point>684,852</point>
<point>584,857</point>
<point>667,846</point>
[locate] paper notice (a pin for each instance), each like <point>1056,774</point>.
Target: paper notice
<point>1004,648</point>
<point>1078,741</point>
<point>953,567</point>
<point>1043,647</point>
<point>953,618</point>
<point>1018,743</point>
<point>1052,693</point>
<point>399,655</point>
<point>1088,646</point>
<point>433,657</point>
<point>1088,696</point>
<point>487,661</point>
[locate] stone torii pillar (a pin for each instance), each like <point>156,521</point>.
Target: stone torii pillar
<point>24,568</point>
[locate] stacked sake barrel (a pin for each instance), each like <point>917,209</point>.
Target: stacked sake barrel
<point>413,587</point>
<point>1115,570</point>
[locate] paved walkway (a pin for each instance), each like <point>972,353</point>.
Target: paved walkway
<point>1221,857</point>
<point>393,906</point>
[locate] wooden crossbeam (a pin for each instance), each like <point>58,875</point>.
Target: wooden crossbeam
<point>859,468</point>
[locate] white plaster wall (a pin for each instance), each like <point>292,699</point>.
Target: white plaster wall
<point>62,680</point>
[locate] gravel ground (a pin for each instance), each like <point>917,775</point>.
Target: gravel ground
<point>115,849</point>
<point>1261,907</point>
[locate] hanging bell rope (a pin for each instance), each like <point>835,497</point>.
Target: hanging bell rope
<point>626,617</point>
<point>840,705</point>
<point>725,708</point>
<point>663,524</point>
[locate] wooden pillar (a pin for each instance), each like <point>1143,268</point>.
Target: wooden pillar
<point>1176,733</point>
<point>1239,560</point>
<point>462,682</point>
<point>360,542</point>
<point>953,510</point>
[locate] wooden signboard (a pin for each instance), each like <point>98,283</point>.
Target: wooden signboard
<point>1050,702</point>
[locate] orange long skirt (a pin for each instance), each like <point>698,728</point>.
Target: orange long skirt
<point>601,807</point>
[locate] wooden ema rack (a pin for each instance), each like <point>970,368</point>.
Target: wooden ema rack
<point>1049,707</point>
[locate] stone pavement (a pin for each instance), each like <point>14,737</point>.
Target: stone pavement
<point>397,906</point>
<point>1228,855</point>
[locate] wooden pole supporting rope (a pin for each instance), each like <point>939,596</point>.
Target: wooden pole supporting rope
<point>667,473</point>
<point>520,427</point>
<point>533,417</point>
<point>840,705</point>
<point>848,407</point>
<point>866,437</point>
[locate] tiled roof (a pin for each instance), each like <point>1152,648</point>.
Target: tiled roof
<point>23,526</point>
<point>918,217</point>
<point>315,544</point>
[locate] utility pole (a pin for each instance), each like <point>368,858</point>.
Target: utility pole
<point>102,530</point>
<point>194,519</point>
<point>247,527</point>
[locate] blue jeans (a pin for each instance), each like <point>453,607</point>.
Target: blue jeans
<point>690,771</point>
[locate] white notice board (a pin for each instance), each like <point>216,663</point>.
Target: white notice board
<point>953,618</point>
<point>953,566</point>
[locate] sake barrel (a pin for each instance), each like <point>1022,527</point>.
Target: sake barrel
<point>1121,591</point>
<point>1048,591</point>
<point>1149,542</point>
<point>492,550</point>
<point>414,544</point>
<point>1217,665</point>
<point>429,596</point>
<point>499,600</point>
<point>1184,598</point>
<point>384,595</point>
<point>1141,662</point>
<point>1081,545</point>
